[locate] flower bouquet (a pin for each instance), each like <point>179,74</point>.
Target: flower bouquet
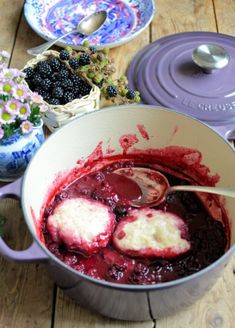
<point>21,112</point>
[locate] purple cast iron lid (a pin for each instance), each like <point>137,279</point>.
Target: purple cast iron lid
<point>165,74</point>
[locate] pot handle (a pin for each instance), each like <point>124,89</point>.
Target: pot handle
<point>227,131</point>
<point>34,252</point>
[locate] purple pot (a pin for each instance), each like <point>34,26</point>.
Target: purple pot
<point>76,140</point>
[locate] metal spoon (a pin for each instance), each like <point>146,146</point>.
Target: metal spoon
<point>86,26</point>
<point>155,186</point>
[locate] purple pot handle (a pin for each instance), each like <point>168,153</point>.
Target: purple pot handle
<point>227,131</point>
<point>34,253</point>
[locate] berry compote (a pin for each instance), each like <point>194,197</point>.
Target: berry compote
<point>207,233</point>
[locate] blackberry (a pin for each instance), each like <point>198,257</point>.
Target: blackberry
<point>36,80</point>
<point>45,95</point>
<point>83,89</point>
<point>46,84</point>
<point>30,83</point>
<point>100,84</point>
<point>68,96</point>
<point>120,211</point>
<point>44,69</point>
<point>130,94</point>
<point>29,71</point>
<point>111,91</point>
<point>64,55</point>
<point>63,74</point>
<point>67,84</point>
<point>84,59</point>
<point>54,77</point>
<point>56,84</point>
<point>55,64</point>
<point>54,101</point>
<point>76,80</point>
<point>92,49</point>
<point>74,63</point>
<point>57,92</point>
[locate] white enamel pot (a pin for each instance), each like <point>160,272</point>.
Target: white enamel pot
<point>76,140</point>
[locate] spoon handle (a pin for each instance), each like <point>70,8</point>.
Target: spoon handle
<point>213,190</point>
<point>46,45</point>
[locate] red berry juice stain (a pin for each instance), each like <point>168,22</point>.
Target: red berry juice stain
<point>127,141</point>
<point>143,131</point>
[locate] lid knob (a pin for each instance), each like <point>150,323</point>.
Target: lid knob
<point>210,57</point>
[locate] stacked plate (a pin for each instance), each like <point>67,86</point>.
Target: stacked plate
<point>168,73</point>
<point>126,20</point>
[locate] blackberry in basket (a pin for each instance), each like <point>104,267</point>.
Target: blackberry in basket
<point>55,64</point>
<point>76,80</point>
<point>57,92</point>
<point>44,69</point>
<point>74,63</point>
<point>67,84</point>
<point>46,84</point>
<point>84,59</point>
<point>68,96</point>
<point>64,55</point>
<point>64,73</point>
<point>29,71</point>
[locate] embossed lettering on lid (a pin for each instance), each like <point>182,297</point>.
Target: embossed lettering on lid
<point>165,74</point>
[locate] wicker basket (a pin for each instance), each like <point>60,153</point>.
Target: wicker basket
<point>59,115</point>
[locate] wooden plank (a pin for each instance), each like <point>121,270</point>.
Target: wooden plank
<point>225,16</point>
<point>26,38</point>
<point>182,16</point>
<point>10,16</point>
<point>26,289</point>
<point>214,310</point>
<point>71,315</point>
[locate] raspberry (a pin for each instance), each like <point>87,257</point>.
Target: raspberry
<point>111,91</point>
<point>74,63</point>
<point>84,59</point>
<point>64,55</point>
<point>57,92</point>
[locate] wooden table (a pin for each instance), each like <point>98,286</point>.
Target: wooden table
<point>28,296</point>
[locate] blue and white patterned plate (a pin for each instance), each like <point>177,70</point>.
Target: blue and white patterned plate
<point>53,18</point>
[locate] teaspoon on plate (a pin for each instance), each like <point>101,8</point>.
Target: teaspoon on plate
<point>86,26</point>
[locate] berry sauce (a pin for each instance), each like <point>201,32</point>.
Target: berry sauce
<point>207,233</point>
